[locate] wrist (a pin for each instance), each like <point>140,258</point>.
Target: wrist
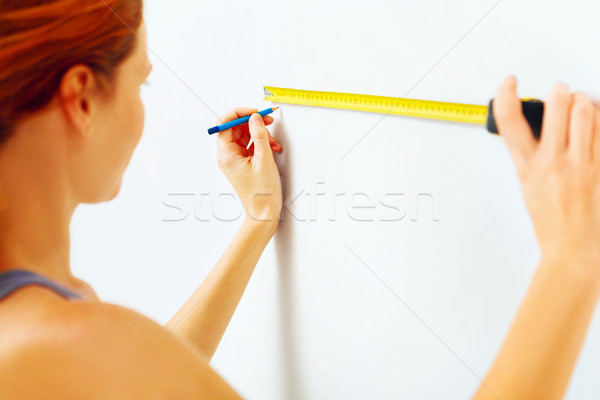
<point>263,227</point>
<point>578,274</point>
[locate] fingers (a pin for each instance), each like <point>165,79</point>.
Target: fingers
<point>581,129</point>
<point>556,120</point>
<point>512,125</point>
<point>275,145</point>
<point>235,114</point>
<point>260,137</point>
<point>571,125</point>
<point>241,112</point>
<point>241,134</point>
<point>227,135</point>
<point>234,142</point>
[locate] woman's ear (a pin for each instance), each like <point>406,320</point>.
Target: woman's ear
<point>76,93</point>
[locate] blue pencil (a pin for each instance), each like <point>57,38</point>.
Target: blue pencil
<point>238,121</point>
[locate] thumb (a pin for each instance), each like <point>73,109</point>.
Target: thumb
<point>260,136</point>
<point>512,125</point>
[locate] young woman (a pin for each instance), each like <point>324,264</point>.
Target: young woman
<point>70,119</point>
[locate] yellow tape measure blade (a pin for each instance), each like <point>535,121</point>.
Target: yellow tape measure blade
<point>458,112</point>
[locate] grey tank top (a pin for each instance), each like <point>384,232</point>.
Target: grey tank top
<point>13,280</point>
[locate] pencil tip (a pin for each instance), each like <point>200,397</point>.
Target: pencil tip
<point>275,108</point>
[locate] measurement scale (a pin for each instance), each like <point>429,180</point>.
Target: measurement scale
<point>533,109</point>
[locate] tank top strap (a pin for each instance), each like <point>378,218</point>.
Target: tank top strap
<point>12,280</point>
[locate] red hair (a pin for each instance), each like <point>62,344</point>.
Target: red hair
<point>41,39</point>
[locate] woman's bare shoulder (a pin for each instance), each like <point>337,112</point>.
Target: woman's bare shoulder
<point>101,350</point>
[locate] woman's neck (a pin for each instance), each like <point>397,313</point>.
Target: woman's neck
<point>35,213</point>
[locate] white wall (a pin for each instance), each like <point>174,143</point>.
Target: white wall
<point>344,309</point>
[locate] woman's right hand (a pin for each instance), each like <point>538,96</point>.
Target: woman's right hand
<point>560,174</point>
<point>253,172</point>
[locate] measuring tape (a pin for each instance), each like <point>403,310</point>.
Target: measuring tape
<point>468,113</point>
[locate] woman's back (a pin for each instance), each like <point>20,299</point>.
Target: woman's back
<point>51,347</point>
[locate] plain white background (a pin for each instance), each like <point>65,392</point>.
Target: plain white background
<point>340,307</point>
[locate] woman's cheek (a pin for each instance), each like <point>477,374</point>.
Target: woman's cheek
<point>141,117</point>
<point>136,116</point>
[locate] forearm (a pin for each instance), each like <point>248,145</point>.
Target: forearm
<point>542,346</point>
<point>205,316</point>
